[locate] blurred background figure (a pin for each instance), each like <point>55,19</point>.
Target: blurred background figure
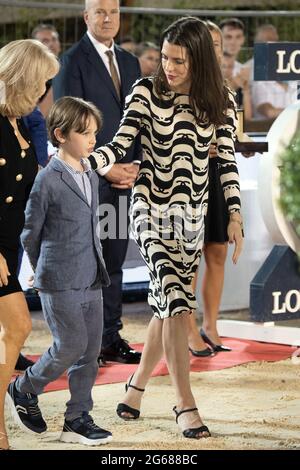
<point>217,222</point>
<point>48,35</point>
<point>233,32</point>
<point>148,54</point>
<point>128,43</point>
<point>227,66</point>
<point>264,33</point>
<point>269,98</point>
<point>238,83</point>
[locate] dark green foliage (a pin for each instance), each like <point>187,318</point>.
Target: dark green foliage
<point>290,182</point>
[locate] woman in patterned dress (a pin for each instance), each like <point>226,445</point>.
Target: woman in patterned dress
<point>176,114</point>
<point>25,66</point>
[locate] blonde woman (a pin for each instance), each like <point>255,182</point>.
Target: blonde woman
<point>25,66</point>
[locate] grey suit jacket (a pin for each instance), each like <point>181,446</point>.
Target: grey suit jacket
<point>60,235</point>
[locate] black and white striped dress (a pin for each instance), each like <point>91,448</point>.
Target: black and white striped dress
<point>169,198</point>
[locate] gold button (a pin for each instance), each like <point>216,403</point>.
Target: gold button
<point>19,177</point>
<point>23,153</point>
<point>2,161</point>
<point>9,199</point>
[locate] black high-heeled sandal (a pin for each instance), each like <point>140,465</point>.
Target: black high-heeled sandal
<point>202,353</point>
<point>215,347</point>
<point>123,408</point>
<point>191,433</point>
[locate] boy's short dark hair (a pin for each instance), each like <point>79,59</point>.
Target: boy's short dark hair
<point>71,114</point>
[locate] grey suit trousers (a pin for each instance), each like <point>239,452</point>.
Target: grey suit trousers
<point>75,318</point>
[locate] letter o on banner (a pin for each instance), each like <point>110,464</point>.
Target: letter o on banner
<point>292,301</point>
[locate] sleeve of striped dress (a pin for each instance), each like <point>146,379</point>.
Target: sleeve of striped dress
<point>229,174</point>
<point>134,111</point>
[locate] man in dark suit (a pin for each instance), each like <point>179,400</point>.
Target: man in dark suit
<point>97,70</point>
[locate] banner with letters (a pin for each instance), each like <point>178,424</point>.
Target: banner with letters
<point>277,61</point>
<point>275,289</point>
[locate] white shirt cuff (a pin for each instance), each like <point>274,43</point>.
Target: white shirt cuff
<point>103,171</point>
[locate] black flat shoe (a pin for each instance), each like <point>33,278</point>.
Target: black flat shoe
<point>215,347</point>
<point>123,408</point>
<point>202,353</point>
<point>191,433</point>
<point>120,351</point>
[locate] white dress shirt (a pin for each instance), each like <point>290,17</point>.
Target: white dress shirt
<point>273,93</point>
<point>102,49</point>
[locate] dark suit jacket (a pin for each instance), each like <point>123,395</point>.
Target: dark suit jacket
<point>60,234</point>
<point>83,74</point>
<point>36,125</point>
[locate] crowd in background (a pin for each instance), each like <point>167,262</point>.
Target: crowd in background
<point>262,101</point>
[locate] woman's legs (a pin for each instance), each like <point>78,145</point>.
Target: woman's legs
<point>194,339</point>
<point>152,353</point>
<point>168,336</point>
<point>212,287</point>
<point>15,327</point>
<point>175,344</point>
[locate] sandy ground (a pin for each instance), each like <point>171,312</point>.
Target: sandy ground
<point>253,406</point>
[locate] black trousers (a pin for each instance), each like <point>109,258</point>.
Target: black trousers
<point>114,223</point>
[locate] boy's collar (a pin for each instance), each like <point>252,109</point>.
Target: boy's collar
<point>84,162</point>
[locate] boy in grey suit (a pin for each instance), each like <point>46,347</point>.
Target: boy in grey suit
<point>62,242</point>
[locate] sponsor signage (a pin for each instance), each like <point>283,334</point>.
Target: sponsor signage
<point>275,289</point>
<point>278,61</point>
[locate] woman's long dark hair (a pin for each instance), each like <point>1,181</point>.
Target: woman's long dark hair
<point>208,94</point>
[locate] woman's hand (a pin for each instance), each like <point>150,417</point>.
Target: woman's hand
<point>212,151</point>
<point>122,175</point>
<point>4,272</point>
<point>235,235</point>
<point>248,154</point>
<point>30,282</point>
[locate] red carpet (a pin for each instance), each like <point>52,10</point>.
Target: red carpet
<point>243,351</point>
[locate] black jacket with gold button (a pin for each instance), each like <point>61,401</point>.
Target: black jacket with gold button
<point>18,168</point>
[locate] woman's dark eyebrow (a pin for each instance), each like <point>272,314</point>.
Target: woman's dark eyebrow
<point>174,58</point>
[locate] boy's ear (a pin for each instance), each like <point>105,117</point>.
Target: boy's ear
<point>59,135</point>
